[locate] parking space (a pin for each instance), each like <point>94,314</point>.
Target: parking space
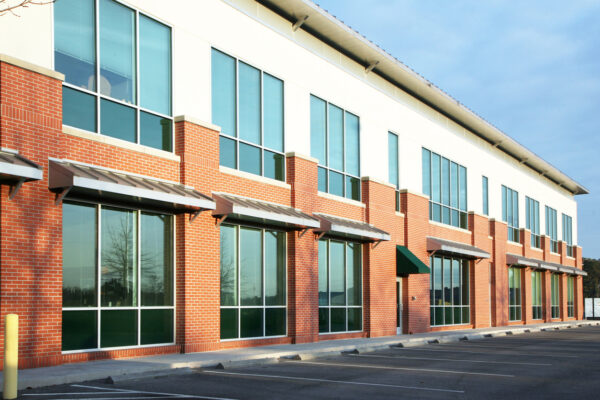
<point>545,365</point>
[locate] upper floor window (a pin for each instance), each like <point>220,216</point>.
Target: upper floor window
<point>568,233</point>
<point>445,182</point>
<point>335,142</point>
<point>551,229</point>
<point>393,165</point>
<point>117,66</point>
<point>247,104</point>
<point>484,195</point>
<point>532,213</point>
<point>510,212</point>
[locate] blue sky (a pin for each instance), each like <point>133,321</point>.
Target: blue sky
<point>531,68</point>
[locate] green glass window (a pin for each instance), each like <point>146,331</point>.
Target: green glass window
<point>555,298</point>
<point>75,42</point>
<point>79,256</point>
<point>101,241</point>
<point>393,171</point>
<point>340,286</point>
<point>247,104</point>
<point>253,282</point>
<point>155,67</point>
<point>445,182</point>
<point>119,94</point>
<point>551,228</point>
<point>532,213</point>
<point>117,120</point>
<point>510,212</point>
<point>514,294</point>
<point>570,297</point>
<point>335,142</point>
<point>449,291</point>
<point>79,109</point>
<point>567,233</point>
<point>484,196</point>
<point>536,295</point>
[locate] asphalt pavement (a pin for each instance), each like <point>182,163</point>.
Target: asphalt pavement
<point>555,364</point>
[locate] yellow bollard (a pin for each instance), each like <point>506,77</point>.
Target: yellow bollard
<point>11,356</point>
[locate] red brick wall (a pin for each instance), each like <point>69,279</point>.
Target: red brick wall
<point>31,238</point>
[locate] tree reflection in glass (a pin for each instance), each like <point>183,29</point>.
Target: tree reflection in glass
<point>118,257</point>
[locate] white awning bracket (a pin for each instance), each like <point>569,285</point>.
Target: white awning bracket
<point>12,192</point>
<point>299,23</point>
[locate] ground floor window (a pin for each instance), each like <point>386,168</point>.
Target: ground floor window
<point>514,294</point>
<point>536,294</point>
<point>117,277</point>
<point>555,296</point>
<point>253,280</point>
<point>570,297</point>
<point>449,291</point>
<point>340,286</point>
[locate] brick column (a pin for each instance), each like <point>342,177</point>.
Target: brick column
<point>303,263</point>
<point>481,288</point>
<point>416,297</point>
<point>380,260</point>
<point>31,223</point>
<point>198,244</point>
<point>562,248</point>
<point>499,233</point>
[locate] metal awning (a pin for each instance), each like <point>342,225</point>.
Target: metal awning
<point>233,207</point>
<point>93,183</point>
<point>407,263</point>
<point>455,248</point>
<point>350,229</point>
<point>16,170</point>
<point>517,260</point>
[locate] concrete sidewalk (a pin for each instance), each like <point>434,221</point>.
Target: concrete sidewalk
<point>182,363</point>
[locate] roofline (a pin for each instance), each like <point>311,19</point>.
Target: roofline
<point>378,61</point>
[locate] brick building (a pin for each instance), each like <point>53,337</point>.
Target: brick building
<point>333,194</point>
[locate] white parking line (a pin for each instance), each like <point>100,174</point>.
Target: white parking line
<point>443,371</point>
<point>485,352</point>
<point>334,381</point>
<point>61,394</point>
<point>126,398</point>
<point>175,395</point>
<point>448,359</point>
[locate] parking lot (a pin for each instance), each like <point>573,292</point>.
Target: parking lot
<point>546,365</point>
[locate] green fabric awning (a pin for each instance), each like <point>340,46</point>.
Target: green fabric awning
<point>407,263</point>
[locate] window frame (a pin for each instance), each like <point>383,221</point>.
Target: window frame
<point>555,295</point>
<point>537,297</point>
<point>98,291</point>
<point>485,196</point>
<point>513,304</point>
<point>457,211</point>
<point>397,153</point>
<point>532,209</point>
<point>567,233</point>
<point>552,228</point>
<point>98,96</point>
<point>346,307</point>
<point>326,167</point>
<point>264,306</point>
<point>236,137</point>
<point>463,263</point>
<point>513,232</point>
<point>570,297</point>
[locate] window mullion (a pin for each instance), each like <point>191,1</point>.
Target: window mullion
<point>97,78</point>
<point>137,75</point>
<point>98,270</point>
<point>139,275</point>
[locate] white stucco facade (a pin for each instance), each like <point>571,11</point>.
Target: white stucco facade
<point>257,36</point>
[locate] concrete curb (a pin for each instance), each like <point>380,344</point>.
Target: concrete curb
<point>120,370</point>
